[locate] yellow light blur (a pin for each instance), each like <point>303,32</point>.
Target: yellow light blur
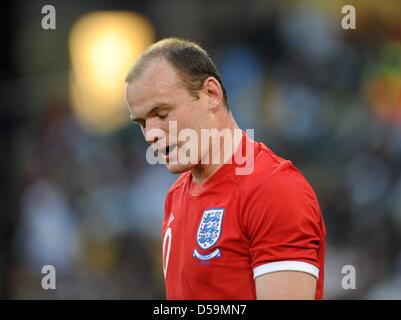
<point>103,46</point>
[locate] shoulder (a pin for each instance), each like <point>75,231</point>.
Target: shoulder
<point>269,170</point>
<point>278,198</point>
<point>275,181</point>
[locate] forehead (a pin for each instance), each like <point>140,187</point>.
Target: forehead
<point>158,81</point>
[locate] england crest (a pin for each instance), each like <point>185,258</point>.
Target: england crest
<point>210,228</point>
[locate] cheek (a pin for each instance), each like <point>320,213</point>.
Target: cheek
<point>189,115</point>
<point>183,118</point>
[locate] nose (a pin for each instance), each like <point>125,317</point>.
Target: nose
<point>151,136</point>
<point>152,132</point>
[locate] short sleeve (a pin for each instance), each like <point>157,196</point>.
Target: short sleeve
<point>283,224</point>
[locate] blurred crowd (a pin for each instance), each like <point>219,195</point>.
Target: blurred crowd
<point>327,99</point>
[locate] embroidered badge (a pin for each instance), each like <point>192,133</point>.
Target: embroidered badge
<point>209,232</point>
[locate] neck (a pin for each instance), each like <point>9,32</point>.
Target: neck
<point>232,136</point>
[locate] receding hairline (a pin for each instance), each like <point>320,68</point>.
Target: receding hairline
<point>188,59</point>
<point>136,71</point>
<point>159,49</point>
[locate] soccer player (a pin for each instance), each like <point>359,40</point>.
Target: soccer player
<point>227,234</point>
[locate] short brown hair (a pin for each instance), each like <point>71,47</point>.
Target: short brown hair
<point>192,63</point>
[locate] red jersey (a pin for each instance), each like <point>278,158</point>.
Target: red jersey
<point>220,235</point>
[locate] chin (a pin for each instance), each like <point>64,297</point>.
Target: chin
<point>178,168</point>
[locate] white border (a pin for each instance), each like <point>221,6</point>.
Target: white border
<point>286,266</point>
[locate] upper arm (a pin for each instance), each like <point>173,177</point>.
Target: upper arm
<point>286,237</point>
<point>285,285</point>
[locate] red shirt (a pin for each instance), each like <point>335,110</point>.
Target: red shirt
<point>219,236</point>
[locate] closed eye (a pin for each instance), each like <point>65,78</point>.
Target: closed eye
<point>163,116</point>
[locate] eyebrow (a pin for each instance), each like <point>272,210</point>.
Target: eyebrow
<point>155,107</point>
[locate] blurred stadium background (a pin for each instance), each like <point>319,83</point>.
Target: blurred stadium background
<point>77,193</point>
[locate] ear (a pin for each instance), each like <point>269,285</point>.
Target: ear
<point>213,90</point>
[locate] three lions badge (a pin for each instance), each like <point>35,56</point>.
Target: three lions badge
<point>208,234</point>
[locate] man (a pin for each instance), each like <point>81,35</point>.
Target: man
<point>253,235</point>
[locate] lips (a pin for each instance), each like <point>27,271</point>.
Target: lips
<point>166,151</point>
